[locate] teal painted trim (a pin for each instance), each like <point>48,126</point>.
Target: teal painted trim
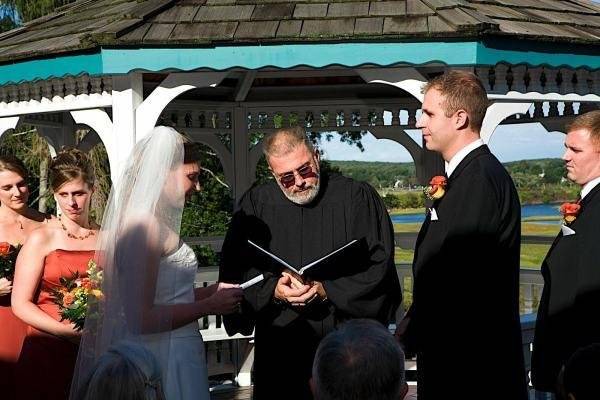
<point>317,55</point>
<point>290,55</point>
<point>51,67</point>
<point>491,56</point>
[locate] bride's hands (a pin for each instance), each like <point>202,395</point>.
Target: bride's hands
<point>5,287</point>
<point>226,299</point>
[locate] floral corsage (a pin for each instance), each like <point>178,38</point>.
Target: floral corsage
<point>570,211</point>
<point>436,188</point>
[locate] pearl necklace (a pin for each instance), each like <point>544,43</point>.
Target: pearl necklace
<point>70,235</point>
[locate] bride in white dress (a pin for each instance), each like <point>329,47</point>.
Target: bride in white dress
<point>149,294</point>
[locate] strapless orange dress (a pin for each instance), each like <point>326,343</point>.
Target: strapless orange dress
<point>46,364</point>
<point>12,333</point>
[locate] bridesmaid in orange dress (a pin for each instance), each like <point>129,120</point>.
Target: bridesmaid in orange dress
<point>17,221</point>
<point>45,367</point>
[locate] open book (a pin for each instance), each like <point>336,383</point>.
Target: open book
<point>302,270</point>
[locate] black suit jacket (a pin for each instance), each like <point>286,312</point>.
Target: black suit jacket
<point>464,320</point>
<point>568,312</point>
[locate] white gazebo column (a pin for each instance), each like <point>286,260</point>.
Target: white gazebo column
<point>498,112</point>
<point>100,122</point>
<point>127,95</point>
<point>148,112</point>
<point>7,123</point>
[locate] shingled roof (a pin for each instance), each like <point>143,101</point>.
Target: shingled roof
<point>88,25</point>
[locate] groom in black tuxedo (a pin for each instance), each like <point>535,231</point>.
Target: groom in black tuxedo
<point>568,312</point>
<point>464,320</point>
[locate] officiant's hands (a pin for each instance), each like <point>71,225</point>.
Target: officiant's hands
<point>293,291</point>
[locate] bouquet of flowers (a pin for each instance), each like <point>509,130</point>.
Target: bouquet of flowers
<point>74,294</point>
<point>8,258</point>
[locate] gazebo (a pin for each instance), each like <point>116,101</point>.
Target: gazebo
<point>225,70</point>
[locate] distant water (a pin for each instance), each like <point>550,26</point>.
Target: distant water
<point>530,210</point>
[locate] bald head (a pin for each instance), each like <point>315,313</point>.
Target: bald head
<point>284,141</point>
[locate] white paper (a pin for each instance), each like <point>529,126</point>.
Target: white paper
<point>252,281</point>
<point>303,269</point>
<point>566,231</point>
<point>433,213</point>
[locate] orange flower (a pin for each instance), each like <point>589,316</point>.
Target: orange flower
<point>68,299</point>
<point>438,180</point>
<point>570,211</point>
<point>87,284</point>
<point>4,249</point>
<point>436,188</point>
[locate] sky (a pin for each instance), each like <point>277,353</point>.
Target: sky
<point>508,143</point>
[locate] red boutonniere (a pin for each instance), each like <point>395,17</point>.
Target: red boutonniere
<point>570,211</point>
<point>436,188</point>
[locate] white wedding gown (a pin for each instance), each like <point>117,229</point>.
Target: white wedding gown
<point>181,351</point>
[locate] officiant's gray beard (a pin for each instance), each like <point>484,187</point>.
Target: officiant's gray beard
<point>304,197</point>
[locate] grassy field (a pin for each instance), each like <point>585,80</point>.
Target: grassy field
<point>532,255</point>
<point>404,211</point>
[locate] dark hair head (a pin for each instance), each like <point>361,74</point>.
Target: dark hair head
<point>11,163</point>
<point>70,164</point>
<point>461,90</point>
<point>191,150</point>
<point>580,377</point>
<point>127,371</point>
<point>359,361</point>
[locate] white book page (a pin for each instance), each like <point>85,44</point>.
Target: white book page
<point>273,256</point>
<point>252,281</point>
<point>301,271</point>
<point>324,257</point>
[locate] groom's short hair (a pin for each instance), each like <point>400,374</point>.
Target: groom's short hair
<point>589,121</point>
<point>461,90</point>
<point>359,361</point>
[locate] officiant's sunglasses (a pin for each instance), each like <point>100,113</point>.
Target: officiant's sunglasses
<point>289,178</point>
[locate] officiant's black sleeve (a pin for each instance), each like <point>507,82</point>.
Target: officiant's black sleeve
<point>239,264</point>
<point>370,288</point>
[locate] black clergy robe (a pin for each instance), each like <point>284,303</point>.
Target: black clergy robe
<point>568,312</point>
<point>464,319</point>
<point>360,283</point>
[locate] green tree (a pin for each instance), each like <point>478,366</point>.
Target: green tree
<point>28,10</point>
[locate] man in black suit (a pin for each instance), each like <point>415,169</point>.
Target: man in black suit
<point>568,312</point>
<point>463,323</point>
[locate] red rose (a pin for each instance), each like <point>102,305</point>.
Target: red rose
<point>570,211</point>
<point>570,208</point>
<point>438,180</point>
<point>5,249</point>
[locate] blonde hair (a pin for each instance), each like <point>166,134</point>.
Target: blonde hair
<point>461,90</point>
<point>11,163</point>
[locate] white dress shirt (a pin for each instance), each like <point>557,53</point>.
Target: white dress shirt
<point>460,155</point>
<point>589,186</point>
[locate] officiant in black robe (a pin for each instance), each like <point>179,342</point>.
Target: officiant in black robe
<point>464,320</point>
<point>301,216</point>
<point>568,313</point>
